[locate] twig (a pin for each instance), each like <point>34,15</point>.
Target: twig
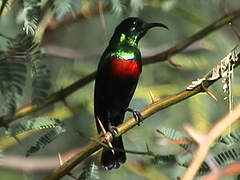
<point>68,20</point>
<point>233,26</point>
<point>100,9</point>
<point>148,60</point>
<point>177,66</point>
<point>199,35</point>
<point>205,141</point>
<point>129,124</point>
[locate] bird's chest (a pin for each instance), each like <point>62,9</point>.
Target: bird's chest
<point>124,69</point>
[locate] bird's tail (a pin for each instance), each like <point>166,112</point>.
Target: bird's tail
<point>110,160</point>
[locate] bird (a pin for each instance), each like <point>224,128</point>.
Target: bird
<point>116,79</point>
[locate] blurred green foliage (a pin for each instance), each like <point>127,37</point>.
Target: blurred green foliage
<point>83,37</point>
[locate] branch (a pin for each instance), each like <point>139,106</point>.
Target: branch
<point>68,20</point>
<point>129,124</point>
<point>205,141</point>
<point>199,35</point>
<point>148,60</point>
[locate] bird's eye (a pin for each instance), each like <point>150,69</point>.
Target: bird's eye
<point>133,28</point>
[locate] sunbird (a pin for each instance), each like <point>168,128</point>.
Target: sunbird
<point>117,77</point>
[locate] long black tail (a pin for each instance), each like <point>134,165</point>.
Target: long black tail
<point>110,160</point>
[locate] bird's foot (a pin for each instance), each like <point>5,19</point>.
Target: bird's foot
<point>136,114</point>
<point>113,130</point>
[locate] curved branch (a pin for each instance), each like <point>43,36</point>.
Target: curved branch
<point>129,124</point>
<point>148,60</point>
<point>68,20</point>
<point>205,141</point>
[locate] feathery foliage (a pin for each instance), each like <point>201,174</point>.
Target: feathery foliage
<point>176,137</point>
<point>230,138</point>
<point>90,172</point>
<point>32,124</point>
<point>12,79</point>
<point>45,140</point>
<point>63,7</point>
<point>224,151</point>
<point>160,159</point>
<point>20,51</point>
<point>31,15</point>
<point>41,81</point>
<point>22,48</point>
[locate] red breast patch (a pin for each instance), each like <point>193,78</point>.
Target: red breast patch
<point>126,68</point>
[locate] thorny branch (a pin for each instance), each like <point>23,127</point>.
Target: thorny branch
<point>205,141</point>
<point>148,111</point>
<point>58,96</point>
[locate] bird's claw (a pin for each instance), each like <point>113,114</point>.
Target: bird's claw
<point>113,130</point>
<point>136,114</point>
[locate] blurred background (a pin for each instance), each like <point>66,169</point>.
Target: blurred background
<point>72,46</point>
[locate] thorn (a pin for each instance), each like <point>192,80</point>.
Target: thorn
<point>196,135</point>
<point>235,30</point>
<point>73,176</point>
<point>61,163</point>
<point>60,159</point>
<point>177,66</point>
<point>101,126</point>
<point>148,150</point>
<point>105,133</point>
<point>209,92</point>
<point>152,96</point>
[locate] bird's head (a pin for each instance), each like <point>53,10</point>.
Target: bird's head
<point>131,30</point>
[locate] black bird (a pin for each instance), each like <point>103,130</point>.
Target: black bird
<point>117,76</point>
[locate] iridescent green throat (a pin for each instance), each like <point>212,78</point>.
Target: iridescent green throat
<point>129,40</point>
<point>128,55</point>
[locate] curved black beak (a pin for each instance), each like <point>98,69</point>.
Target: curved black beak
<point>147,26</point>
